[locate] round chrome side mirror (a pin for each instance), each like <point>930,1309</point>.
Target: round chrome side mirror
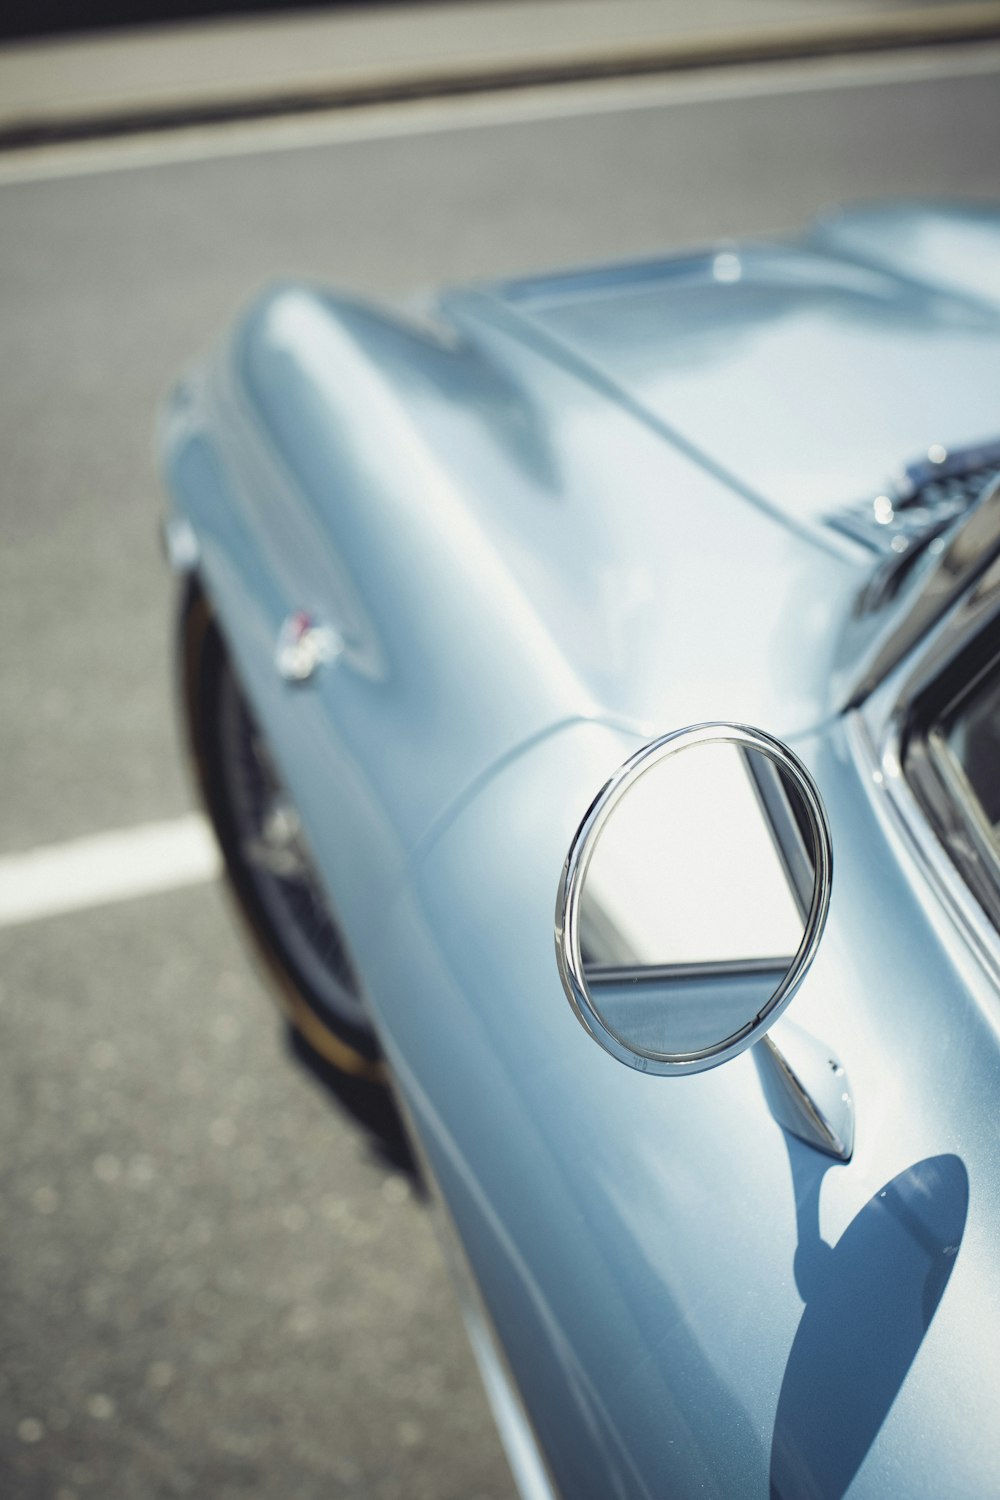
<point>693,898</point>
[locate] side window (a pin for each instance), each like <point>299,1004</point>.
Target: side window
<point>972,740</point>
<point>951,757</point>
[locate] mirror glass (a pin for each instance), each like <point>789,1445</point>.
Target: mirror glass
<point>694,898</point>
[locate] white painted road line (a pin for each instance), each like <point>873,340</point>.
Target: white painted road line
<point>105,868</point>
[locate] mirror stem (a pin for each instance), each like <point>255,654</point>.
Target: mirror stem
<point>806,1088</point>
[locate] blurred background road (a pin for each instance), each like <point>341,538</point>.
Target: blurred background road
<point>213,1279</point>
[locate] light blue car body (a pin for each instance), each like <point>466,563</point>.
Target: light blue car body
<point>552,519</point>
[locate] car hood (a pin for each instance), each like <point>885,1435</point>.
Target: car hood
<point>598,496</point>
<point>806,376</point>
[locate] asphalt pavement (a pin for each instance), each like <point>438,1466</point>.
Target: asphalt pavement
<point>215,1281</point>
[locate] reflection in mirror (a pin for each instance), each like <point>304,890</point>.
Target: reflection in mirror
<point>694,899</point>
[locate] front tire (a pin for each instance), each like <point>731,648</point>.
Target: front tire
<point>268,866</point>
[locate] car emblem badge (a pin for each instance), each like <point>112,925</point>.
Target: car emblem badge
<point>304,645</point>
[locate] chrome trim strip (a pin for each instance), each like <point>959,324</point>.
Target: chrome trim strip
<point>941,463</point>
<point>569,956</point>
<point>971,616</point>
<point>520,1443</point>
<point>955,560</point>
<point>885,771</point>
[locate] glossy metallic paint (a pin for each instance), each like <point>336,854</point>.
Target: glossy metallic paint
<point>533,572</point>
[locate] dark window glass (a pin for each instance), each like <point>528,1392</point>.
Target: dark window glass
<point>973,742</point>
<point>952,760</point>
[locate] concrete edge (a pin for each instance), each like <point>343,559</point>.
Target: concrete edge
<point>397,83</point>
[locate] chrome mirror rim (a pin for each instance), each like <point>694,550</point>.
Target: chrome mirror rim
<point>567,924</point>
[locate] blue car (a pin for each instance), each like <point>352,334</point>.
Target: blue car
<point>594,682</point>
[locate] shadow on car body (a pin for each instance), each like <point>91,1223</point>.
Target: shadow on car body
<point>869,1301</point>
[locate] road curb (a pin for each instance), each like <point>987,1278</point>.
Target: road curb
<point>383,84</point>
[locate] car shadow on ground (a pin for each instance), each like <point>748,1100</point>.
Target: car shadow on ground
<point>370,1106</point>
